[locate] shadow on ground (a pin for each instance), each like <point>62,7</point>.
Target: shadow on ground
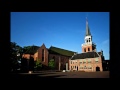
<point>34,76</point>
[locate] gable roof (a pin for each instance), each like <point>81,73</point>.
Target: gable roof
<point>32,50</point>
<point>99,53</point>
<point>85,55</point>
<point>56,50</point>
<point>51,50</point>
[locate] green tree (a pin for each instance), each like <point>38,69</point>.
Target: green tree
<point>38,64</point>
<point>14,51</point>
<point>51,64</point>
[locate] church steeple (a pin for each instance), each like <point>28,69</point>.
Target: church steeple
<point>88,46</point>
<point>87,28</point>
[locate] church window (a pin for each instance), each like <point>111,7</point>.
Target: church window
<point>89,39</point>
<point>90,67</point>
<point>53,57</point>
<point>42,54</point>
<point>80,62</point>
<point>85,67</point>
<point>88,49</point>
<point>96,60</point>
<point>84,61</point>
<point>85,50</point>
<point>89,61</point>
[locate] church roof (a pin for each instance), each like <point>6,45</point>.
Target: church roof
<point>85,55</point>
<point>32,50</point>
<point>51,50</point>
<point>99,53</point>
<point>60,51</point>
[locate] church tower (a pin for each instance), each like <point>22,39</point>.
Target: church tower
<point>88,46</point>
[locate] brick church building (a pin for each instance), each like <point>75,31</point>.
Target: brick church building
<point>61,56</point>
<point>89,60</point>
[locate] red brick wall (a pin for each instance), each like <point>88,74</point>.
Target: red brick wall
<point>35,56</point>
<point>63,59</point>
<point>93,64</point>
<point>90,47</point>
<point>27,56</point>
<point>45,62</point>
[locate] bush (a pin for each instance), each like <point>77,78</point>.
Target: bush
<point>38,64</point>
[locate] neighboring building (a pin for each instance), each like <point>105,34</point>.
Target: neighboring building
<point>89,60</point>
<point>106,65</point>
<point>61,56</point>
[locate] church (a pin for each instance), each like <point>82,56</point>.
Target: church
<point>89,60</point>
<point>60,56</point>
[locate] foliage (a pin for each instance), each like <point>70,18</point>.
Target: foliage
<point>14,50</point>
<point>38,64</point>
<point>51,64</point>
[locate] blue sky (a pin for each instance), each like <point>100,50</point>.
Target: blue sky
<point>60,29</point>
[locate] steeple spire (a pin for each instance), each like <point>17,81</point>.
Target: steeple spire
<point>87,28</point>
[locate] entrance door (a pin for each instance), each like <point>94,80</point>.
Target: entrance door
<point>97,68</point>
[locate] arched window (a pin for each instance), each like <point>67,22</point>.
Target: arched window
<point>88,49</point>
<point>96,60</point>
<point>42,54</point>
<point>89,39</point>
<point>53,58</point>
<point>84,61</point>
<point>85,50</point>
<point>89,61</point>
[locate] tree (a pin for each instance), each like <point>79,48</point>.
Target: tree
<point>38,64</point>
<point>14,50</point>
<point>51,64</point>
